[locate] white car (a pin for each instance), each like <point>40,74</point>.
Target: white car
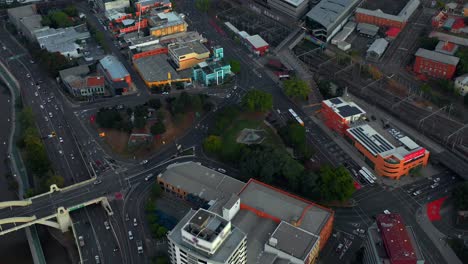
<point>106,224</point>
<point>27,75</point>
<point>42,107</point>
<point>51,115</point>
<point>416,193</point>
<point>36,94</point>
<point>434,185</point>
<point>46,118</point>
<point>437,180</point>
<point>135,222</point>
<point>386,212</point>
<point>221,170</point>
<point>60,152</point>
<point>130,235</point>
<point>143,162</point>
<point>61,139</point>
<point>72,157</point>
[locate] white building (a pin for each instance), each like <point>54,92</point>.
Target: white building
<point>106,5</point>
<point>63,40</point>
<point>292,8</point>
<point>461,84</point>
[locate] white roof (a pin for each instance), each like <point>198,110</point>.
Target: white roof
<point>330,12</point>
<point>378,46</point>
<point>244,34</point>
<point>463,79</point>
<point>257,41</point>
<point>294,3</point>
<point>436,56</point>
<point>408,143</point>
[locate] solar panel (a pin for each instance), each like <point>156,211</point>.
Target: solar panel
<point>336,101</point>
<point>375,143</point>
<point>347,110</point>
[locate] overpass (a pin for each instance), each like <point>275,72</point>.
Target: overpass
<point>452,162</point>
<point>52,208</point>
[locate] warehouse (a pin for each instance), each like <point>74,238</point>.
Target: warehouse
<point>327,18</point>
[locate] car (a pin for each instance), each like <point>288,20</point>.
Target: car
<point>386,211</point>
<point>221,170</point>
<point>339,247</point>
<point>147,178</point>
<point>416,193</point>
<point>56,107</point>
<point>28,75</point>
<point>42,106</point>
<point>31,61</point>
<point>106,224</point>
<point>97,259</point>
<point>36,94</point>
<point>60,152</point>
<point>46,118</point>
<point>3,47</point>
<point>96,182</point>
<point>116,248</point>
<point>81,241</point>
<point>61,139</point>
<point>72,156</point>
<point>139,247</point>
<point>437,180</point>
<point>51,115</point>
<point>130,235</point>
<point>434,185</point>
<point>361,231</point>
<point>135,222</point>
<point>228,95</point>
<point>120,106</point>
<point>126,217</point>
<point>143,162</point>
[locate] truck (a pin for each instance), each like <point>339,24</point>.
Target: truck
<point>139,247</point>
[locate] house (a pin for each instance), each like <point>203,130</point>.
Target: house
<point>79,84</point>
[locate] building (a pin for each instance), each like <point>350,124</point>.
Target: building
<point>383,19</point>
<point>116,75</point>
<point>79,84</point>
<point>26,20</point>
<point>157,70</point>
<point>188,54</point>
<point>344,34</point>
<point>67,41</point>
<point>213,71</point>
<point>278,227</point>
<point>367,30</point>
<point>461,84</point>
<point>205,237</point>
<point>392,160</point>
<point>257,45</point>
<point>328,17</point>
<point>390,241</point>
<point>145,5</point>
<point>435,64</point>
<point>339,115</point>
<point>106,5</point>
<point>446,47</point>
<point>292,8</point>
<point>376,49</point>
<point>163,24</point>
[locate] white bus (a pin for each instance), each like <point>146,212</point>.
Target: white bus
<point>369,173</point>
<point>367,177</point>
<point>298,119</point>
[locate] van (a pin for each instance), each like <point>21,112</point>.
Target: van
<point>130,235</point>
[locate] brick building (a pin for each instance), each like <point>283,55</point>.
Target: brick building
<point>379,18</point>
<point>435,64</point>
<point>339,114</point>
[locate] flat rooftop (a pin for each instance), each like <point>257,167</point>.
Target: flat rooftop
<point>398,10</point>
<point>235,237</point>
<point>157,68</point>
<point>205,225</point>
<point>343,108</point>
<point>285,206</point>
<point>328,13</point>
<point>436,56</point>
<point>202,181</point>
<point>114,67</point>
<point>293,241</point>
<point>389,7</point>
<point>370,139</point>
<point>257,41</point>
<point>182,49</point>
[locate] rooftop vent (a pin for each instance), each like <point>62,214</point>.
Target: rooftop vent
<point>273,241</point>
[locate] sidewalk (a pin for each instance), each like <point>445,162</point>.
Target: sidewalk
<point>436,236</point>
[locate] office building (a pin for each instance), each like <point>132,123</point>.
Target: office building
<point>116,75</point>
<point>214,70</point>
<point>390,241</point>
<point>461,84</point>
<point>272,225</point>
<point>328,17</point>
<point>156,70</point>
<point>66,41</point>
<point>26,20</point>
<point>166,23</point>
<point>435,64</point>
<point>384,19</point>
<point>145,5</point>
<point>188,54</point>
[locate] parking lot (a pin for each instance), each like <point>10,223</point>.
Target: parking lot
<point>246,20</point>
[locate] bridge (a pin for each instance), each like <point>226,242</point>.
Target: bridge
<point>51,208</point>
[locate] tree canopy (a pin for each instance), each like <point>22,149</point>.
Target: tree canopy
<point>154,103</point>
<point>158,128</point>
<point>212,144</point>
<point>335,184</point>
<point>235,66</point>
<point>256,100</point>
<point>460,195</point>
<point>203,5</point>
<point>296,88</point>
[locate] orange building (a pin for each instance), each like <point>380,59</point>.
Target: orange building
<point>187,55</point>
<point>385,158</point>
<point>167,23</point>
<point>339,114</point>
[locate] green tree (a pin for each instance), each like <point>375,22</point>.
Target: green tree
<point>460,195</point>
<point>108,118</point>
<point>158,128</point>
<point>296,134</point>
<point>55,179</point>
<point>156,191</point>
<point>60,19</point>
<point>203,5</point>
<point>160,260</point>
<point>325,89</point>
<point>154,103</point>
<point>296,88</point>
<point>235,66</point>
<point>71,11</point>
<point>462,66</point>
<point>335,184</point>
<point>256,100</point>
<point>426,89</point>
<point>139,122</point>
<point>161,232</point>
<point>45,21</point>
<point>212,144</point>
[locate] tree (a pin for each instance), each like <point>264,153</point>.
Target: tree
<point>460,195</point>
<point>139,122</point>
<point>55,179</point>
<point>212,144</point>
<point>45,21</point>
<point>155,191</point>
<point>71,11</point>
<point>256,100</point>
<point>158,128</point>
<point>203,5</point>
<point>325,89</point>
<point>108,118</point>
<point>154,103</point>
<point>462,67</point>
<point>296,88</point>
<point>235,66</point>
<point>296,134</point>
<point>428,43</point>
<point>335,184</point>
<point>426,89</point>
<point>60,19</point>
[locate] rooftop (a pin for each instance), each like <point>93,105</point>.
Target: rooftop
<point>61,39</point>
<point>446,47</point>
<point>284,206</point>
<point>155,68</point>
<point>22,11</point>
<point>257,41</point>
<point>343,108</point>
<point>205,225</point>
<point>93,81</point>
<point>295,3</point>
<point>328,13</point>
<point>292,240</point>
<point>201,181</point>
<point>436,56</point>
<point>114,67</point>
<point>182,49</point>
<point>80,70</point>
<point>222,254</point>
<point>33,22</point>
<point>390,9</point>
<point>370,139</point>
<point>378,46</point>
<point>162,20</point>
<point>396,238</point>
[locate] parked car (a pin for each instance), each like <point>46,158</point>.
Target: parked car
<point>106,224</point>
<point>135,222</point>
<point>386,211</point>
<point>81,241</point>
<point>130,235</point>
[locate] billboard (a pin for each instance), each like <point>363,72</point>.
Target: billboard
<point>414,155</point>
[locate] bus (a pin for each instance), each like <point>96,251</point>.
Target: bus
<point>367,177</point>
<point>298,119</point>
<point>369,173</point>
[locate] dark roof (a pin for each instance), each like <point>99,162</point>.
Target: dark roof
<point>348,110</point>
<point>396,238</point>
<point>336,100</point>
<point>370,139</point>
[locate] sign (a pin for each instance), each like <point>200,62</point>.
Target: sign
<point>415,154</point>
